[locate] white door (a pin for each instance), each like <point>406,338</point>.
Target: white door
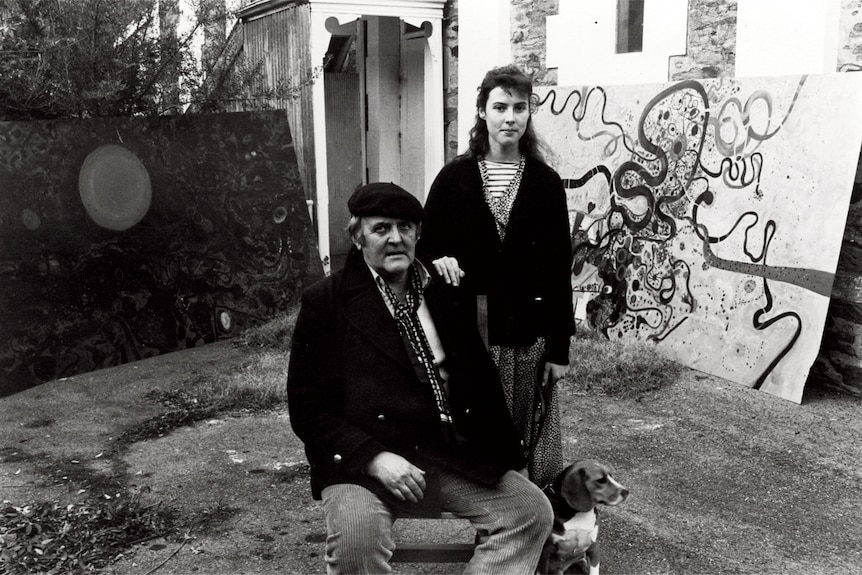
<point>413,114</point>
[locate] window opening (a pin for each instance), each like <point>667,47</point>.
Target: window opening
<point>630,26</point>
<point>341,54</point>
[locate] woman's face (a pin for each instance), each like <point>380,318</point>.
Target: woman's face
<point>506,114</point>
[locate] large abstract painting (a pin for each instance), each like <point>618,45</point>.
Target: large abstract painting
<point>707,216</point>
<point>126,238</point>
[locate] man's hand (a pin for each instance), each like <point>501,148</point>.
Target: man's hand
<point>400,477</point>
<point>449,270</point>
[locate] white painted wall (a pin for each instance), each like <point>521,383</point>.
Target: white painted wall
<point>582,43</point>
<point>778,37</point>
<point>774,37</point>
<point>383,91</point>
<point>483,42</point>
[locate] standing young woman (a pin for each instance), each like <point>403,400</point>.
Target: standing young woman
<point>497,225</point>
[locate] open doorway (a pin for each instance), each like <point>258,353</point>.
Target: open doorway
<point>413,110</point>
<point>375,98</point>
<point>344,139</point>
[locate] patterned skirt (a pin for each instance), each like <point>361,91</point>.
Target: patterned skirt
<point>519,370</point>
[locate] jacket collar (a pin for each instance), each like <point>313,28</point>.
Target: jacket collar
<point>365,310</point>
<point>416,268</point>
<point>518,206</point>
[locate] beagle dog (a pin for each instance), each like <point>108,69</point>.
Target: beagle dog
<point>572,546</point>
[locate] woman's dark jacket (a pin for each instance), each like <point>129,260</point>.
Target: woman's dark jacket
<point>527,276</point>
<point>353,392</point>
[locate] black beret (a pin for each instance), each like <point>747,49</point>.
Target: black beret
<point>386,200</point>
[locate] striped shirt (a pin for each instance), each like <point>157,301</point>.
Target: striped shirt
<point>500,175</point>
<point>500,183</point>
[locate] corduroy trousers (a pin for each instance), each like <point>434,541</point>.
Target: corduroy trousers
<point>514,517</point>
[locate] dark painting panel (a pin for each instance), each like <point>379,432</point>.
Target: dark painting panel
<point>126,238</point>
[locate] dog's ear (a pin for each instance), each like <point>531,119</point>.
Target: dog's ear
<point>574,490</point>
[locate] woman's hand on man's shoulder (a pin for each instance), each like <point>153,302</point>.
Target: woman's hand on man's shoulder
<point>447,267</point>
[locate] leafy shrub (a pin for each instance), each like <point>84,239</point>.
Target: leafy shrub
<point>76,538</point>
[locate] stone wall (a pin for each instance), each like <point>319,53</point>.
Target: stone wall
<point>839,364</point>
<point>529,38</point>
<point>850,43</point>
<point>711,43</point>
<point>450,77</point>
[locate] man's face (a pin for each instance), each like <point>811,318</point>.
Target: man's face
<point>388,245</point>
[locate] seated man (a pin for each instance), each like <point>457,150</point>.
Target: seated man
<point>399,405</point>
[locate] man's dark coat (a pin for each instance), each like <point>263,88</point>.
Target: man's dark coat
<point>353,392</point>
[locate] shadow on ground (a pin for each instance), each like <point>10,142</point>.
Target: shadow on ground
<point>723,479</point>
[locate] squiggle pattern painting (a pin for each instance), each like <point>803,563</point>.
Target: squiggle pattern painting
<point>707,216</point>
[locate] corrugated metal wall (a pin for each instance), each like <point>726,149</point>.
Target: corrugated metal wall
<point>282,42</point>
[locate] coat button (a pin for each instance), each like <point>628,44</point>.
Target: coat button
<point>336,458</point>
<point>381,417</point>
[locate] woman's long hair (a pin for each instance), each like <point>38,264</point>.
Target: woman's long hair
<point>511,79</point>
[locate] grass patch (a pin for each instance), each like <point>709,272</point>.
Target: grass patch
<point>274,334</point>
<point>260,386</point>
<point>256,386</point>
<point>75,538</point>
<point>618,368</point>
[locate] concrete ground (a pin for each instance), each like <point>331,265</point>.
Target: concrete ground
<point>723,479</point>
